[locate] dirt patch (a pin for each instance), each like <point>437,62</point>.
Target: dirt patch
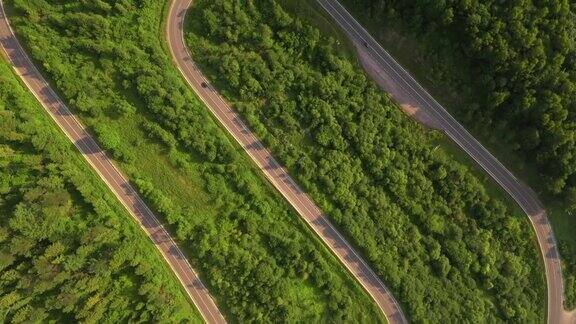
<point>569,317</point>
<point>405,101</point>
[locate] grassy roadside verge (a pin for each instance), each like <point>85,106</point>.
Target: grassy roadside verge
<point>255,255</point>
<point>139,279</point>
<point>438,73</point>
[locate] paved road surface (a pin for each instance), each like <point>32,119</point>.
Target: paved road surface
<point>103,165</point>
<point>273,171</point>
<point>380,64</point>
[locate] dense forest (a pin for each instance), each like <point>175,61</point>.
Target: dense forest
<point>449,251</point>
<point>507,69</point>
<point>523,56</point>
<point>69,252</point>
<point>260,261</point>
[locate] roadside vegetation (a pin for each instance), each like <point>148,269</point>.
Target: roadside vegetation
<point>256,256</point>
<point>69,252</point>
<point>523,55</point>
<point>508,71</point>
<point>449,251</point>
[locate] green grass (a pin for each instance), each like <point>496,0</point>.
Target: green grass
<point>150,158</point>
<point>91,195</point>
<point>185,188</point>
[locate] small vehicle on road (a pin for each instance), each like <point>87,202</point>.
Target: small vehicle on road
<point>204,85</point>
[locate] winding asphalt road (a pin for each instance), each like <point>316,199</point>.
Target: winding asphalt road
<point>106,169</point>
<point>273,171</point>
<point>405,86</point>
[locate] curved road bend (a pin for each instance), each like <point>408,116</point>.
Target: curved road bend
<point>273,171</point>
<point>382,64</point>
<point>105,168</point>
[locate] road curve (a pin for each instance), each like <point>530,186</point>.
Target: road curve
<point>273,171</point>
<point>106,169</point>
<point>382,65</point>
